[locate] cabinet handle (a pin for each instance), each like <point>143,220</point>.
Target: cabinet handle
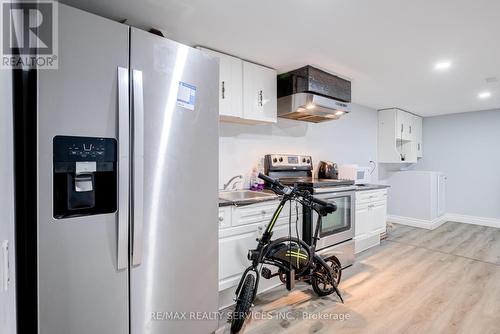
<point>401,128</point>
<point>263,212</point>
<point>419,146</point>
<point>260,228</point>
<point>221,219</point>
<point>223,89</point>
<point>260,99</point>
<point>410,129</point>
<point>6,266</point>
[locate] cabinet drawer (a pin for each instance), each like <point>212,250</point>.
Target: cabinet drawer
<point>262,212</point>
<point>370,196</point>
<point>225,217</point>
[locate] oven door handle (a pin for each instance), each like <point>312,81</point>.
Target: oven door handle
<point>334,196</point>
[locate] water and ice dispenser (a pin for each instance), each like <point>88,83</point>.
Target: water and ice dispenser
<point>85,176</point>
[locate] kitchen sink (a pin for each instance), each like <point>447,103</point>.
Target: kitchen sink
<point>244,195</point>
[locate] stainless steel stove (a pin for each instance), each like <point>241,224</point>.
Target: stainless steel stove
<point>337,231</point>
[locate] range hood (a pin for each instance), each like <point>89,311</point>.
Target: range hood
<point>311,108</point>
<point>312,95</point>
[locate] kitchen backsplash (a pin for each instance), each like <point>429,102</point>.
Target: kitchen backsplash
<point>351,139</point>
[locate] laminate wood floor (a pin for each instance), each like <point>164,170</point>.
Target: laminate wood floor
<point>418,281</point>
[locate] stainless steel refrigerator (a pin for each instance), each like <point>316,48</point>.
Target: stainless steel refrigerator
<point>126,184</point>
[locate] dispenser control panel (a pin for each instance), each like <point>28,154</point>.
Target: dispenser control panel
<point>68,149</point>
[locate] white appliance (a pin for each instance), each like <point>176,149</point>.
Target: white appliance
<point>360,175</point>
<point>110,239</point>
<point>417,194</point>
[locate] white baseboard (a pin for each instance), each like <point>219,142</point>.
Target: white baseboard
<point>483,221</point>
<point>416,222</point>
<point>448,217</point>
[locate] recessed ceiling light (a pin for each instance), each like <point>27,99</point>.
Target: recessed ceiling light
<point>310,106</point>
<point>484,95</point>
<point>442,65</point>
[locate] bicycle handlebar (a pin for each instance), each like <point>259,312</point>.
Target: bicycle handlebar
<point>270,180</point>
<point>282,190</point>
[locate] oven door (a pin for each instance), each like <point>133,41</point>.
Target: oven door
<point>336,227</point>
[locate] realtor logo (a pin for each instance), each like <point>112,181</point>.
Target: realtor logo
<point>29,35</point>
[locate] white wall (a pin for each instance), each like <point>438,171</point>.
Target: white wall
<point>466,147</point>
<point>351,139</point>
<point>7,299</point>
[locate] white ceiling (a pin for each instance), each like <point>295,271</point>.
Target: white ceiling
<point>388,48</point>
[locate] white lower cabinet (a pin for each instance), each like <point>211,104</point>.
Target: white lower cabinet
<point>370,219</point>
<point>240,228</point>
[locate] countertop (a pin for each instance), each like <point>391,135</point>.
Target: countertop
<point>371,187</point>
<point>223,202</point>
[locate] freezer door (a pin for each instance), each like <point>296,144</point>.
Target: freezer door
<point>83,287</point>
<point>176,256</point>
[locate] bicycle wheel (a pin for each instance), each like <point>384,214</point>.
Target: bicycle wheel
<point>243,304</point>
<point>320,280</point>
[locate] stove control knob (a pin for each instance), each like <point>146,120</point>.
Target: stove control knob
<point>275,160</point>
<point>281,159</point>
<point>308,161</point>
<point>303,159</point>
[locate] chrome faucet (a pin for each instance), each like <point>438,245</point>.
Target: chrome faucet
<point>231,180</point>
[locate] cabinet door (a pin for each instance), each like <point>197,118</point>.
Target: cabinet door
<point>259,93</point>
<point>233,252</point>
<point>233,249</point>
<point>224,219</point>
<point>410,127</point>
<point>362,220</point>
<point>379,215</point>
<point>230,84</point>
<point>417,135</point>
<point>400,124</point>
<point>283,229</point>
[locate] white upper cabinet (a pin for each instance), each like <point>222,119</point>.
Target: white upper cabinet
<point>259,93</point>
<point>230,85</point>
<point>247,91</point>
<point>399,136</point>
<point>417,135</point>
<point>404,125</point>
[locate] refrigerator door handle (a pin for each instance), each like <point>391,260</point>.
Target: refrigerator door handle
<point>123,167</point>
<point>138,167</point>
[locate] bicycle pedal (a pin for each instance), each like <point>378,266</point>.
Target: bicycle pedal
<point>266,273</point>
